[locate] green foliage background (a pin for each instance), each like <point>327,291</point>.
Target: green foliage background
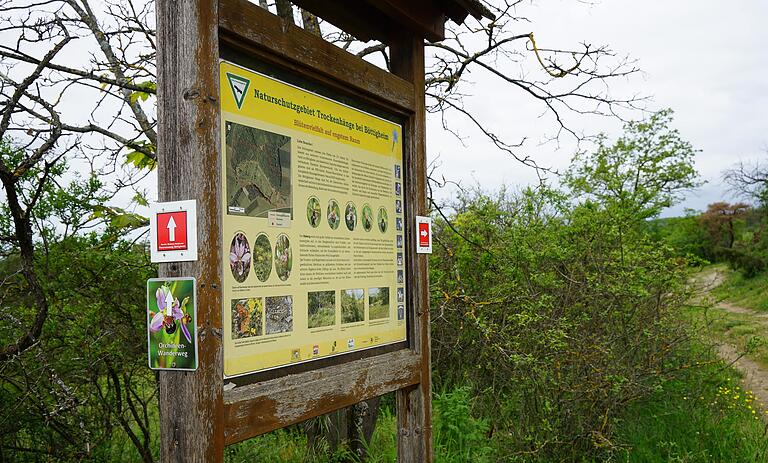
<point>559,330</point>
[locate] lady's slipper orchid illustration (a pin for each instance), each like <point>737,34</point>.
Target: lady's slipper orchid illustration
<point>170,312</point>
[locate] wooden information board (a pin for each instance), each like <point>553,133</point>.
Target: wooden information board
<point>266,183</point>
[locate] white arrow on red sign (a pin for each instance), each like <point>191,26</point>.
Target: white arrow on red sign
<point>171,229</point>
<point>424,244</point>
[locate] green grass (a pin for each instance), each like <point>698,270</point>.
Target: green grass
<point>459,438</point>
<point>751,293</point>
<point>324,316</point>
<point>702,416</point>
<point>747,332</point>
<point>352,309</point>
<point>379,311</point>
<point>290,446</point>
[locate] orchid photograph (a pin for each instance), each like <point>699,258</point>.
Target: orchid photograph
<point>334,214</point>
<point>240,257</point>
<point>367,217</point>
<point>314,212</point>
<point>283,257</point>
<point>382,220</point>
<point>350,216</point>
<point>171,323</point>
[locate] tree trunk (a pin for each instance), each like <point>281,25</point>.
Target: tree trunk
<point>365,416</point>
<point>285,10</point>
<point>311,24</point>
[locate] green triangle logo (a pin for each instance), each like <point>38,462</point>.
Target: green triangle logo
<point>239,86</point>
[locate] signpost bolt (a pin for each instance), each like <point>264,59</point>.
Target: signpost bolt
<point>190,94</point>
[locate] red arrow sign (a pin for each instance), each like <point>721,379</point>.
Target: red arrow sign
<point>424,234</point>
<point>172,231</point>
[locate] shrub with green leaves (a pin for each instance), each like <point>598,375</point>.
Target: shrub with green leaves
<point>557,305</point>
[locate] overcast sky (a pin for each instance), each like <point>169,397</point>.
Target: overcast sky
<point>705,59</point>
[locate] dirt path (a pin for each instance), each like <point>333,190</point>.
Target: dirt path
<point>755,375</point>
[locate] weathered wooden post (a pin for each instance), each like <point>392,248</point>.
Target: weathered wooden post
<point>191,403</point>
<point>307,165</point>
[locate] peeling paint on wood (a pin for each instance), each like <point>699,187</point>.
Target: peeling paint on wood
<point>191,403</point>
<point>414,404</point>
<point>262,407</point>
<point>251,24</point>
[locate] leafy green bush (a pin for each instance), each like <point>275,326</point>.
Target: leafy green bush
<point>558,305</point>
<point>458,436</point>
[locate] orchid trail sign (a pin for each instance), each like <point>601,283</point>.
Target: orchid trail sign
<point>171,324</point>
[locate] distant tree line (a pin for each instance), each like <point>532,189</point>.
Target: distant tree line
<point>731,232</point>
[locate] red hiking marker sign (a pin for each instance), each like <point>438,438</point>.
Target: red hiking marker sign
<point>172,231</point>
<point>423,235</point>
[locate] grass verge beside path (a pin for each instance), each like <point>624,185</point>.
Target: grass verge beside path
<point>750,293</point>
<point>702,416</point>
<point>744,331</point>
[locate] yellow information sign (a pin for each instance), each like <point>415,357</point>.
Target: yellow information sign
<point>313,221</point>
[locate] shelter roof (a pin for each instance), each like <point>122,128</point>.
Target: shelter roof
<point>387,20</point>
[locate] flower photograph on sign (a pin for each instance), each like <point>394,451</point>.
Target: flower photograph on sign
<point>383,220</point>
<point>171,323</point>
<point>240,257</point>
<point>314,212</point>
<point>334,214</point>
<point>247,317</point>
<point>367,217</point>
<point>283,257</point>
<point>350,216</point>
<point>262,257</point>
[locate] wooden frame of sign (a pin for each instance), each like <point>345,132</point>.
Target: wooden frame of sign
<point>198,417</point>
